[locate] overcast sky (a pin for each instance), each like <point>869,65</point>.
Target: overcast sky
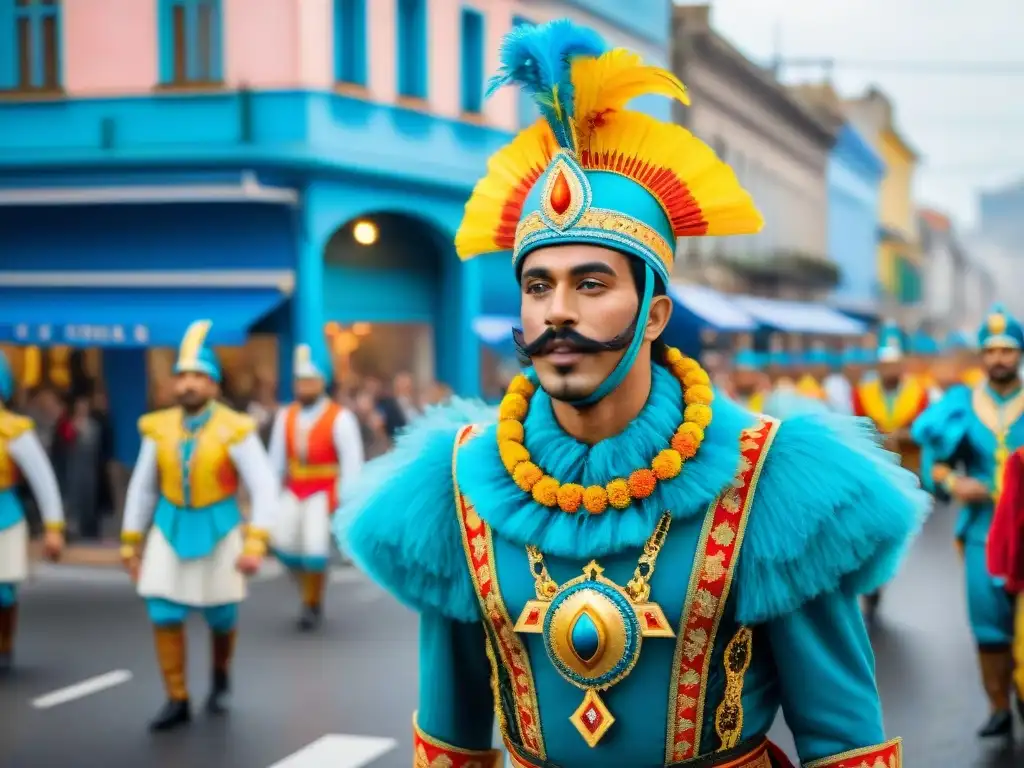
<point>968,127</point>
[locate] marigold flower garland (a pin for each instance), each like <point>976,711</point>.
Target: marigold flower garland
<point>620,492</point>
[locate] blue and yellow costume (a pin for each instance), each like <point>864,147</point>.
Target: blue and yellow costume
<point>531,558</point>
<point>973,432</point>
<point>21,456</point>
<point>189,470</point>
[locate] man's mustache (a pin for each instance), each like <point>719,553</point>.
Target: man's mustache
<point>570,339</point>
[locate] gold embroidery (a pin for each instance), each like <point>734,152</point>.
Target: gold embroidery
<point>731,501</point>
<point>479,546</point>
<point>723,534</point>
<point>483,574</point>
<point>887,755</point>
<point>610,222</point>
<point>689,678</point>
<point>998,418</point>
<point>729,716</point>
<point>705,604</point>
<point>696,642</point>
<point>714,569</point>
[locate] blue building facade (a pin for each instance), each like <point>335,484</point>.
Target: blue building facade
<point>854,178</point>
<point>205,194</point>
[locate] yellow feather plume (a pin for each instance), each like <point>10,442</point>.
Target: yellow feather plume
<point>612,80</point>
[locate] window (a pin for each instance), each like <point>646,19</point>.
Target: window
<point>32,63</point>
<point>190,42</point>
<point>472,61</point>
<point>412,49</point>
<point>350,42</point>
<point>528,112</point>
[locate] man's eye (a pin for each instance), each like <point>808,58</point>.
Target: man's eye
<point>591,285</point>
<point>535,288</point>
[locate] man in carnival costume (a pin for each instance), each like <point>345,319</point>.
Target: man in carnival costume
<point>317,450</point>
<point>21,455</point>
<point>197,551</point>
<point>892,400</point>
<point>966,438</point>
<point>607,508</point>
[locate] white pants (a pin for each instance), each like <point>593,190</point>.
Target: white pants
<point>205,581</point>
<point>303,527</point>
<point>14,553</point>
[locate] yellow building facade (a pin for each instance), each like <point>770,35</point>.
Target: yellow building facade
<point>899,255</point>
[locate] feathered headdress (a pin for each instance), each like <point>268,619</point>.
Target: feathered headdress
<point>591,170</point>
<point>1000,329</point>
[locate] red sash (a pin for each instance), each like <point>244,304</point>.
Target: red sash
<point>319,471</point>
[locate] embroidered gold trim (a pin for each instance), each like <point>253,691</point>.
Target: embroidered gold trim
<point>614,224</point>
<point>710,583</point>
<point>729,716</point>
<point>478,545</point>
<point>997,419</point>
<point>429,740</point>
<point>895,759</point>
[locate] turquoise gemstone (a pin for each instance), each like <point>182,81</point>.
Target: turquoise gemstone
<point>585,638</point>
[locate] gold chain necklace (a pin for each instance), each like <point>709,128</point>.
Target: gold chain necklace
<point>593,628</point>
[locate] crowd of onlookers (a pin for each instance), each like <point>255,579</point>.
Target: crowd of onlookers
<point>75,430</point>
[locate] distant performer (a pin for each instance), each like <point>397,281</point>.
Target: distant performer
<point>21,456</point>
<point>966,438</point>
<point>317,449</point>
<point>199,548</point>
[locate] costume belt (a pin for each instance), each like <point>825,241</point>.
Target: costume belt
<point>297,471</point>
<point>752,753</point>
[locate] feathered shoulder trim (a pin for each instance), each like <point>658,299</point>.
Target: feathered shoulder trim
<point>832,511</point>
<point>400,526</point>
<point>942,426</point>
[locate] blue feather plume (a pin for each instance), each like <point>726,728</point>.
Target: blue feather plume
<point>538,59</point>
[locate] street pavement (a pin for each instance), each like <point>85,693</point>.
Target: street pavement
<point>86,681</point>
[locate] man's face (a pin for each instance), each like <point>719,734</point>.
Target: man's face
<point>1001,364</point>
<point>194,390</point>
<point>890,371</point>
<point>403,385</point>
<point>308,390</point>
<point>853,372</point>
<point>575,299</point>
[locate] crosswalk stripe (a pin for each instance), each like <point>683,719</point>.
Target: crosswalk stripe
<point>338,751</point>
<point>83,689</point>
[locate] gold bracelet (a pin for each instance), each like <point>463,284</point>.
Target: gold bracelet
<point>131,537</point>
<point>128,552</point>
<point>254,546</point>
<point>55,526</point>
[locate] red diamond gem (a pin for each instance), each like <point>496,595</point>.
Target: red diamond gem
<point>592,718</point>
<point>533,616</point>
<point>652,620</point>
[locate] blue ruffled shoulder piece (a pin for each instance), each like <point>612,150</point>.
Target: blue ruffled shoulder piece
<point>400,526</point>
<point>516,517</point>
<point>785,403</point>
<point>833,510</point>
<point>941,428</point>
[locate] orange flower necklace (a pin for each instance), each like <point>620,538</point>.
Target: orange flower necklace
<point>620,492</point>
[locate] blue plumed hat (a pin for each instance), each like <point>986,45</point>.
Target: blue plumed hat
<point>592,171</point>
<point>923,345</point>
<point>6,379</point>
<point>1000,329</point>
<point>194,356</point>
<point>890,343</point>
<point>957,341</point>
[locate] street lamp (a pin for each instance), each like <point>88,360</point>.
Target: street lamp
<point>365,232</point>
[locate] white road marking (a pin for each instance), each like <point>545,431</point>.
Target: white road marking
<point>338,751</point>
<point>345,575</point>
<point>83,689</point>
<point>49,572</point>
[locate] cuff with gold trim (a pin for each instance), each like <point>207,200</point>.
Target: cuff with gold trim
<point>56,526</point>
<point>429,751</point>
<point>888,755</point>
<point>256,540</point>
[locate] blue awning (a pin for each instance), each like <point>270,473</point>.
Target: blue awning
<point>495,330</point>
<point>711,309</point>
<point>800,317</point>
<point>129,317</point>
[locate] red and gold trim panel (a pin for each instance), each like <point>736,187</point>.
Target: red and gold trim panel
<point>759,757</point>
<point>888,755</point>
<point>511,652</point>
<point>428,752</point>
<point>710,581</point>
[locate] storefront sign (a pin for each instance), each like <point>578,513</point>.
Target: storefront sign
<point>81,334</point>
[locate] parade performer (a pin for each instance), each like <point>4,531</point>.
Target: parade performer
<point>21,456</point>
<point>748,380</point>
<point>892,400</point>
<point>197,551</point>
<point>1006,557</point>
<point>317,450</point>
<point>817,365</point>
<point>581,556</point>
<point>966,438</point>
<point>839,384</point>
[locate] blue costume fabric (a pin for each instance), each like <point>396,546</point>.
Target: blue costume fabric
<point>953,433</point>
<point>831,519</point>
<point>11,513</point>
